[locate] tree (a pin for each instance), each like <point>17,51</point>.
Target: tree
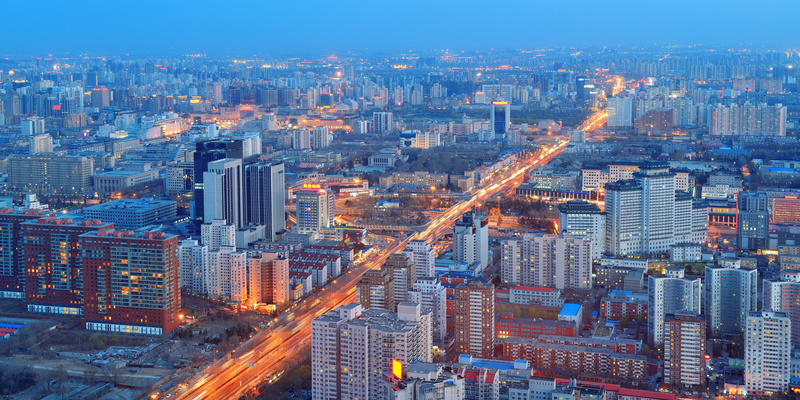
<point>624,321</point>
<point>679,155</point>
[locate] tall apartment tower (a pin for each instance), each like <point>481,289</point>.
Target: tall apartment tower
<point>194,264</point>
<point>376,289</point>
<point>753,220</point>
<point>500,116</point>
<point>730,296</point>
<point>623,207</point>
<point>474,319</point>
<point>424,257</point>
<point>471,239</point>
<point>232,274</point>
<point>429,292</point>
<point>584,220</point>
<point>223,192</point>
<point>53,264</point>
<point>561,262</point>
<point>315,210</point>
<point>403,273</point>
<point>684,350</point>
<point>670,294</point>
<point>218,233</point>
<point>130,282</point>
<point>206,152</point>
<point>658,206</point>
<point>352,348</point>
<point>767,352</point>
<point>382,122</point>
<point>620,112</point>
<point>266,198</point>
<point>784,296</point>
<point>274,273</point>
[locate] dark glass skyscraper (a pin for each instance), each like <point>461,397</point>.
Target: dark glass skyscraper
<point>206,152</point>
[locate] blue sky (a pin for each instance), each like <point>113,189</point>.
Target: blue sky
<point>267,27</point>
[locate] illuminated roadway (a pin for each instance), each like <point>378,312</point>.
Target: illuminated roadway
<point>269,351</point>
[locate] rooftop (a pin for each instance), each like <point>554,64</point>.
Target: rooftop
<point>570,309</point>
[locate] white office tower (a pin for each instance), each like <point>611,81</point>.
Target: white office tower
<point>670,294</point>
<point>471,239</point>
<point>620,112</point>
<point>41,143</point>
<point>561,262</point>
<point>424,257</point>
<point>584,220</point>
<point>767,352</point>
<point>730,296</point>
<point>658,206</point>
<point>623,218</point>
<point>320,137</point>
<point>232,266</point>
<point>352,348</point>
<point>683,217</point>
<point>266,197</point>
<point>301,139</point>
<point>217,234</point>
<point>32,126</point>
<point>382,122</point>
<point>315,210</point>
<point>193,259</point>
<point>429,292</point>
<point>223,191</point>
<point>783,296</point>
<point>699,221</point>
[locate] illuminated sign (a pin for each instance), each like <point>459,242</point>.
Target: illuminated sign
<point>397,369</point>
<point>499,103</point>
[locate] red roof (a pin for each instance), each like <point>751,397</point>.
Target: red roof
<point>646,394</point>
<point>471,376</point>
<point>489,377</point>
<point>533,288</point>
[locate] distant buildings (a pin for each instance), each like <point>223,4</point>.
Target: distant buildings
<point>747,119</point>
<point>620,112</point>
<point>63,172</point>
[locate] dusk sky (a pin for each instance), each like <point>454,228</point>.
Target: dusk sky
<point>238,27</point>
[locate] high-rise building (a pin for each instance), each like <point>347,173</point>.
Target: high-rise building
<point>753,220</point>
<point>352,348</point>
<point>786,210</point>
<point>232,267</point>
<point>767,352</point>
<point>471,239</point>
<point>266,198</point>
<point>376,289</point>
<point>474,319</point>
<point>561,262</point>
<point>320,137</point>
<point>747,120</point>
<point>32,126</point>
<point>623,207</point>
<point>67,171</point>
<point>301,139</point>
<point>658,206</point>
<point>12,250</point>
<point>41,143</point>
<point>429,292</point>
<point>101,97</point>
<point>53,265</point>
<point>403,273</point>
<point>424,257</point>
<point>620,112</point>
<point>584,220</point>
<point>501,117</point>
<point>224,191</point>
<point>730,295</point>
<point>784,296</point>
<point>274,274</point>
<point>684,350</point>
<point>315,209</point>
<point>194,264</point>
<point>670,294</point>
<point>382,122</point>
<point>206,152</point>
<point>218,233</point>
<point>495,92</point>
<point>130,282</point>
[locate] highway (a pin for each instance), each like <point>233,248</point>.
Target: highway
<point>269,351</point>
